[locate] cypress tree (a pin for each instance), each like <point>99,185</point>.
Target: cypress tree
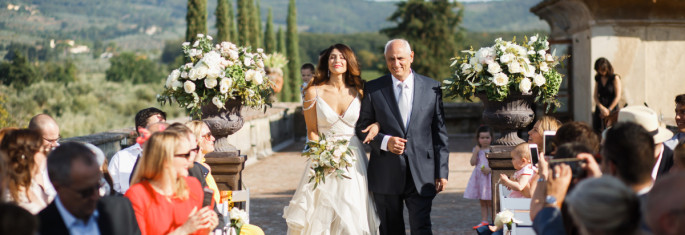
<point>280,48</point>
<point>234,26</point>
<point>269,36</point>
<point>259,40</point>
<point>223,21</point>
<point>244,22</point>
<point>292,48</point>
<point>196,19</point>
<point>253,27</point>
<point>280,41</point>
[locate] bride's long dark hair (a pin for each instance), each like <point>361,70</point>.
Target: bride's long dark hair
<point>352,76</point>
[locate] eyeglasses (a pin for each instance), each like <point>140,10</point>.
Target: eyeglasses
<point>187,155</point>
<point>53,140</point>
<point>89,191</point>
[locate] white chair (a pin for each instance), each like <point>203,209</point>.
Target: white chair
<point>521,209</point>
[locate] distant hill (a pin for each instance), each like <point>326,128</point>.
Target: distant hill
<point>141,24</point>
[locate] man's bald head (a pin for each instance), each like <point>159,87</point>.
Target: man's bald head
<point>48,128</point>
<point>665,205</point>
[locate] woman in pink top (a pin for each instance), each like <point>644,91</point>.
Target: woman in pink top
<point>164,198</point>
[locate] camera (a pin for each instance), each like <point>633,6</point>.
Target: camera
<point>577,170</point>
<point>548,142</point>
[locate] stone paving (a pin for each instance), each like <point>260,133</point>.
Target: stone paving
<point>272,182</point>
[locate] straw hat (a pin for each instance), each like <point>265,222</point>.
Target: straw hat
<point>648,119</point>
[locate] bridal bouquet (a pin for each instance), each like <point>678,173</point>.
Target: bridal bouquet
<point>507,67</point>
<point>216,74</point>
<point>238,218</point>
<point>328,157</point>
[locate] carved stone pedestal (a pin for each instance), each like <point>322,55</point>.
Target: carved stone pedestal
<point>227,169</point>
<point>499,160</point>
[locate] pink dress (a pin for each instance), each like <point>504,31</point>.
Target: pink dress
<point>479,183</point>
<point>526,170</point>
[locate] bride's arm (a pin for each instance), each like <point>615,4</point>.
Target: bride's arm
<point>309,109</point>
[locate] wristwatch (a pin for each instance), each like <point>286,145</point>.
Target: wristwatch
<point>551,200</point>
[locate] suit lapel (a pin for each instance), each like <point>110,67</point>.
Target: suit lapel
<point>418,100</point>
<point>389,94</point>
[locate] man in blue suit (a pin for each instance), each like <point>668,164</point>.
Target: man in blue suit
<point>409,157</point>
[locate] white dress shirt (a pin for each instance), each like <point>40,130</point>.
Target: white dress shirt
<point>121,167</point>
<point>75,225</point>
<point>409,89</point>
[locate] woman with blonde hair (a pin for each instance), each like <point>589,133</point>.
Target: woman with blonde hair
<point>536,135</point>
<point>165,199</point>
<point>25,163</point>
<point>205,140</point>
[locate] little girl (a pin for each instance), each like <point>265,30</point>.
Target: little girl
<point>520,185</point>
<point>479,183</point>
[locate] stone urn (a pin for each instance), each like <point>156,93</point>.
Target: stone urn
<point>276,77</point>
<point>226,161</point>
<point>508,116</point>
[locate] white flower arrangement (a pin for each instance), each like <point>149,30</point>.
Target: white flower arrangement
<point>216,74</point>
<point>507,67</point>
<point>328,157</point>
<point>238,218</point>
<point>503,218</point>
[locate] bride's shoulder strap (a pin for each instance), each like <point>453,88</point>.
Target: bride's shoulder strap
<point>311,102</point>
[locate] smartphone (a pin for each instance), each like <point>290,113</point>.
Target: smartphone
<point>577,170</point>
<point>548,142</point>
<point>209,197</point>
<point>534,153</point>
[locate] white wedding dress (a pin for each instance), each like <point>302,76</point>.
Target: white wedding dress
<point>339,206</point>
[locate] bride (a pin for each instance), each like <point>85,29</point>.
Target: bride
<point>331,108</point>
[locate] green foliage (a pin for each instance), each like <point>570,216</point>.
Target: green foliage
<point>20,73</point>
<point>224,21</point>
<point>292,49</point>
<point>83,107</point>
<point>256,30</point>
<point>269,35</point>
<point>171,51</point>
<point>368,47</point>
<point>196,19</point>
<point>244,22</point>
<point>233,26</point>
<point>431,28</point>
<point>134,68</point>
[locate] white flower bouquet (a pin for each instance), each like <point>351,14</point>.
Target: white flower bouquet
<point>238,218</point>
<point>507,67</point>
<point>503,218</point>
<point>217,73</point>
<point>328,157</point>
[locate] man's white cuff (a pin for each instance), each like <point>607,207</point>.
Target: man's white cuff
<point>384,144</point>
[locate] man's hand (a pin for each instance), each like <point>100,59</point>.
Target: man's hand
<point>557,184</point>
<point>440,184</point>
<point>396,145</point>
<point>590,165</point>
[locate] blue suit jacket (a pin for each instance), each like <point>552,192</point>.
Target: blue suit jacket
<point>426,149</point>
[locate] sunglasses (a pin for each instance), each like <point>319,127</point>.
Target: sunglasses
<point>207,136</point>
<point>89,191</point>
<point>187,155</point>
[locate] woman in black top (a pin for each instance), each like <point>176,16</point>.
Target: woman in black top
<point>607,93</point>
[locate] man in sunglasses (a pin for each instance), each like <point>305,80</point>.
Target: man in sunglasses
<point>78,208</point>
<point>122,163</point>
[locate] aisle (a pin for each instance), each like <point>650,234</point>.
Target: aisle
<point>272,182</point>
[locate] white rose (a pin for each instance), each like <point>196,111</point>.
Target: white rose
<point>212,59</point>
<point>199,35</point>
<point>486,55</point>
<point>184,74</point>
<point>521,51</point>
<point>322,142</point>
<point>260,50</point>
<point>530,72</point>
<point>514,67</point>
<point>189,87</point>
<point>247,62</point>
<point>214,72</point>
<point>185,44</point>
<point>337,153</point>
<point>260,64</point>
<point>210,37</point>
<point>225,85</point>
<point>216,101</point>
<point>500,79</point>
<point>233,54</point>
<point>542,53</point>
<point>539,80</point>
<point>504,217</point>
<point>201,70</point>
<point>466,68</point>
<point>506,58</point>
<point>315,164</point>
<point>253,75</point>
<point>533,39</point>
<point>172,77</point>
<point>473,61</point>
<point>494,68</point>
<point>192,74</point>
<point>176,84</point>
<point>525,85</point>
<point>544,67</point>
<point>478,68</point>
<point>211,83</point>
<point>549,58</point>
<point>197,43</point>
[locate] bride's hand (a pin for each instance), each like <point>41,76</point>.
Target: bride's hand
<point>372,132</point>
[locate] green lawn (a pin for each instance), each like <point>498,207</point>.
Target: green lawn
<point>369,75</point>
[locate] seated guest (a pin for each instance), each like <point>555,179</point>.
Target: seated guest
<point>25,163</point>
<point>647,118</point>
<point>536,135</point>
<point>78,208</point>
<point>678,137</point>
<point>48,128</point>
<point>578,132</point>
<point>665,205</point>
<point>165,199</point>
<point>679,158</point>
<point>205,140</point>
<point>604,205</point>
<point>520,182</point>
<point>121,165</point>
